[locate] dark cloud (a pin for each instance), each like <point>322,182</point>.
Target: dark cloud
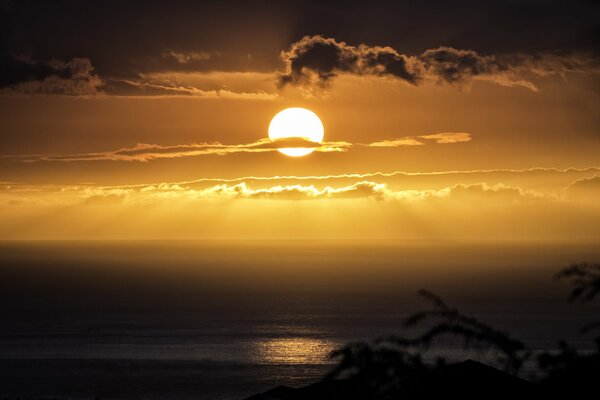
<point>457,66</point>
<point>126,38</point>
<point>454,66</point>
<point>73,77</point>
<point>14,71</point>
<point>315,60</point>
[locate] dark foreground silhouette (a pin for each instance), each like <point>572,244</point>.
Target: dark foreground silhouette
<point>467,379</point>
<point>393,367</point>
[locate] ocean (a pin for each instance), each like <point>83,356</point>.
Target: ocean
<point>225,319</point>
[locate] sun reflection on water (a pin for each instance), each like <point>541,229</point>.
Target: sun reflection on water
<point>298,350</point>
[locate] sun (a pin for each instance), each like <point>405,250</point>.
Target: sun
<point>299,123</point>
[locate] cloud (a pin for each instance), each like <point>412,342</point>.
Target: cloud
<point>104,200</point>
<point>448,137</point>
<point>312,62</point>
<point>147,194</point>
<point>457,195</point>
<point>407,141</point>
<point>77,77</point>
<point>148,152</point>
<point>369,190</point>
<point>187,57</point>
<point>369,187</point>
<point>364,189</point>
<point>499,193</point>
<point>453,66</point>
<point>505,186</point>
<point>149,88</point>
<point>587,188</point>
<point>316,60</point>
<point>394,174</point>
<point>587,183</point>
<point>440,138</point>
<point>368,208</point>
<point>74,77</point>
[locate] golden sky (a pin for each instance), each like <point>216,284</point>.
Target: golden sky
<point>429,140</point>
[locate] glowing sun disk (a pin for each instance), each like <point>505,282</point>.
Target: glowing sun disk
<point>296,123</point>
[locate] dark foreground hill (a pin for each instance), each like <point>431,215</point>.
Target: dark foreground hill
<point>468,379</point>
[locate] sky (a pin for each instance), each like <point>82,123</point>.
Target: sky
<point>442,120</point>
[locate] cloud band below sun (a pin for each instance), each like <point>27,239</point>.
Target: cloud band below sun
<point>481,193</point>
<point>459,204</point>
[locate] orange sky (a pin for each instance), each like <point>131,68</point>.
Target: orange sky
<point>432,140</point>
<point>510,129</point>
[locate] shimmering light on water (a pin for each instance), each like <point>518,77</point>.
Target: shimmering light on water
<point>299,350</point>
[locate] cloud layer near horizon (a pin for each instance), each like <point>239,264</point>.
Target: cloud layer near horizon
<point>165,192</point>
<point>375,186</point>
<point>459,204</point>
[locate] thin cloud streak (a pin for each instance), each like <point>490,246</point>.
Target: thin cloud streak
<point>146,152</point>
<point>183,57</point>
<point>378,174</point>
<point>478,175</point>
<point>192,91</point>
<point>448,137</point>
<point>440,138</point>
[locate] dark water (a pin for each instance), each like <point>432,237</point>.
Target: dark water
<point>223,320</point>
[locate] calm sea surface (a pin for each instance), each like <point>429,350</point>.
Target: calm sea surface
<point>226,319</point>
